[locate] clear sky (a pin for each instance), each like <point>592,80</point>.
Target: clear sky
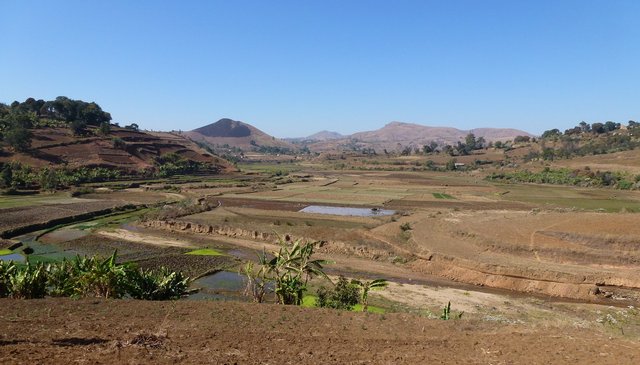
<point>292,68</point>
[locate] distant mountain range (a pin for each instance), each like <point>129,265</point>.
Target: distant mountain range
<point>396,134</point>
<point>391,136</point>
<point>410,133</point>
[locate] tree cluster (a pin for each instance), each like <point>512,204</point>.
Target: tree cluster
<point>17,119</point>
<point>584,128</point>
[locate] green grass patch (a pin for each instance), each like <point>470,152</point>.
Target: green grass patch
<point>5,251</point>
<point>370,309</point>
<point>270,168</point>
<point>45,259</point>
<point>442,196</point>
<point>205,252</point>
<point>14,201</point>
<point>309,301</point>
<point>608,200</point>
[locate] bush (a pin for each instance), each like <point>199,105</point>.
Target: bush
<point>118,143</point>
<point>90,277</point>
<point>19,138</point>
<point>61,279</point>
<point>105,128</point>
<point>78,127</point>
<point>7,270</point>
<point>344,295</point>
<point>28,282</point>
<point>157,284</point>
<point>101,278</point>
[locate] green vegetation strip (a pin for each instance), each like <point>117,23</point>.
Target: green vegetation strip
<point>205,252</point>
<point>442,196</point>
<point>584,178</point>
<point>5,251</point>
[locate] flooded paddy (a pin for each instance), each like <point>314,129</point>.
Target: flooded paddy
<point>15,257</point>
<point>222,285</point>
<point>347,211</point>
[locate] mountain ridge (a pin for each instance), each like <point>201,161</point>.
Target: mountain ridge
<point>411,134</point>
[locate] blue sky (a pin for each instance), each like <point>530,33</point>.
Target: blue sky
<point>292,68</point>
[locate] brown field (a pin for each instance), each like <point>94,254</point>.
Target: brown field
<point>526,238</point>
<point>533,268</point>
<point>628,161</point>
<point>189,332</point>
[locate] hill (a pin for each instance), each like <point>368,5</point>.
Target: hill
<point>55,146</point>
<point>325,135</point>
<point>71,134</point>
<point>239,135</point>
<point>320,136</point>
<point>410,134</point>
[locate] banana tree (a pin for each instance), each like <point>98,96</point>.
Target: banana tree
<point>376,284</point>
<point>293,267</point>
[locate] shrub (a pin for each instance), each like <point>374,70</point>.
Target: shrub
<point>7,270</point>
<point>344,295</point>
<point>159,284</point>
<point>446,313</point>
<point>28,282</point>
<point>257,282</point>
<point>105,128</point>
<point>118,143</point>
<point>102,278</point>
<point>289,270</point>
<point>62,279</point>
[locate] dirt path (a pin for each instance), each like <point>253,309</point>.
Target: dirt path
<point>63,331</point>
<point>532,239</point>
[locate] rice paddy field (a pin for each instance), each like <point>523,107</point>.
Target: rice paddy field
<point>518,257</point>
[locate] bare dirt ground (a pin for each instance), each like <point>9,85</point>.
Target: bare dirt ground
<point>144,238</point>
<point>104,332</point>
<point>493,250</point>
<point>628,161</point>
<point>16,217</point>
<point>460,227</point>
<point>577,251</point>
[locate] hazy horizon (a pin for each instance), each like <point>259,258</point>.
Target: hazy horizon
<point>295,68</point>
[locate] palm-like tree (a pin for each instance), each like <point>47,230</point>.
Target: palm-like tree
<point>292,267</point>
<point>366,286</point>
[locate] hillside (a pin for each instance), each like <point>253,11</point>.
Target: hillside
<point>134,151</point>
<point>409,134</point>
<point>240,135</point>
<point>73,134</point>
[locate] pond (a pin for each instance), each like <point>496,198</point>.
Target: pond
<point>63,235</point>
<point>347,211</point>
<point>223,285</point>
<point>15,257</point>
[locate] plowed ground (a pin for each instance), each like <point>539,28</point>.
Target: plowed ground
<point>56,331</point>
